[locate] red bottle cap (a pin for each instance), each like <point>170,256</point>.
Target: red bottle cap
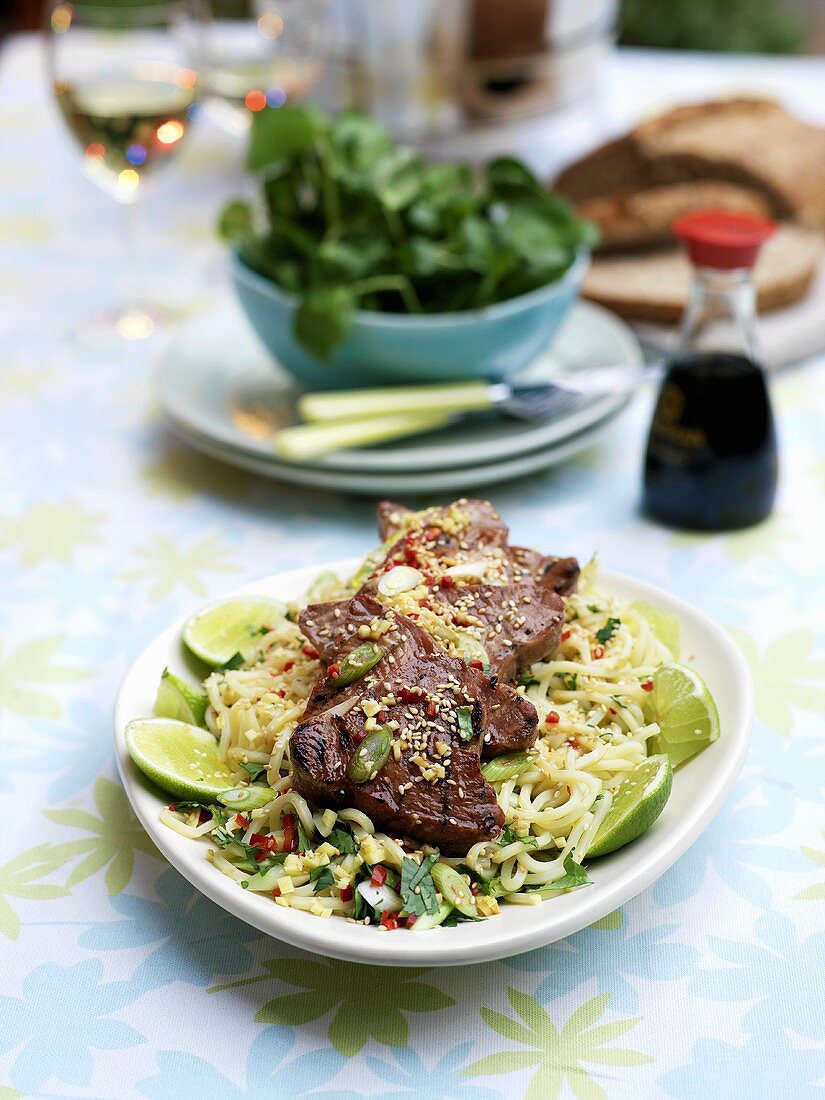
<point>722,239</point>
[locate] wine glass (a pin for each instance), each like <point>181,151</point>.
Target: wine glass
<point>126,90</point>
<point>261,53</point>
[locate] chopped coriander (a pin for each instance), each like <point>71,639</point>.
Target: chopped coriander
<point>342,840</point>
<point>510,836</point>
<point>575,875</point>
<point>571,681</point>
<point>187,806</point>
<point>417,887</point>
<point>592,607</point>
<point>244,883</point>
<point>455,917</point>
<point>322,877</point>
<point>465,723</point>
<point>254,770</point>
<point>608,630</point>
<point>304,843</point>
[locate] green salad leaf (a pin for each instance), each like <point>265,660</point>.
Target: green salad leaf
<point>350,220</point>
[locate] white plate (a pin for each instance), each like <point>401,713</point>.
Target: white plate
<point>699,789</point>
<point>217,382</point>
<point>391,484</point>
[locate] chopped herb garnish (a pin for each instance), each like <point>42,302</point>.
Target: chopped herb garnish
<point>304,843</point>
<point>465,723</point>
<point>575,876</point>
<point>608,630</point>
<point>492,888</point>
<point>592,607</point>
<point>343,841</point>
<point>187,806</point>
<point>617,699</point>
<point>417,887</point>
<point>244,883</point>
<point>510,836</point>
<point>254,770</point>
<point>455,917</point>
<point>571,681</point>
<point>322,877</point>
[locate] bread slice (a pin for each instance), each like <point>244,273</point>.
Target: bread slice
<point>755,143</point>
<point>654,286</point>
<point>642,219</point>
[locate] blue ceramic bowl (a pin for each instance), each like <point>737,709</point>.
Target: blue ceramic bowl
<point>495,342</point>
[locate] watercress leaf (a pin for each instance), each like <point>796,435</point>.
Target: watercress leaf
<point>324,318</point>
<point>278,134</point>
<point>235,221</point>
<point>508,178</point>
<point>396,178</point>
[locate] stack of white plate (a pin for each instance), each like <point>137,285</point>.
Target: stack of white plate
<point>223,394</point>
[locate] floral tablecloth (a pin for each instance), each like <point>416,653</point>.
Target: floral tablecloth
<point>117,980</point>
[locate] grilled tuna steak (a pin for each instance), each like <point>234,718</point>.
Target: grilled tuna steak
<point>402,741</point>
<point>336,629</point>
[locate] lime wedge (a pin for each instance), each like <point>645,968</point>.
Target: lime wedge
<point>663,624</point>
<point>686,713</point>
<point>180,758</point>
<point>637,802</point>
<point>177,699</point>
<point>220,632</point>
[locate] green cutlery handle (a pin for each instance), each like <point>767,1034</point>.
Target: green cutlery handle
<point>307,441</point>
<point>444,398</point>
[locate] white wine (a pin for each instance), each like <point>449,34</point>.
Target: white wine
<point>127,123</point>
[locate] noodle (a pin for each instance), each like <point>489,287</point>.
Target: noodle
<point>593,732</point>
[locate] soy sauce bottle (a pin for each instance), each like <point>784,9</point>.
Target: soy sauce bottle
<point>711,462</point>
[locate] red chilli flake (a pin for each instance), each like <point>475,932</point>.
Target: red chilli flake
<point>565,635</point>
<point>242,821</point>
<point>290,834</point>
<point>310,651</point>
<point>333,670</point>
<point>411,919</point>
<point>346,893</point>
<point>389,920</point>
<point>288,667</point>
<point>598,652</point>
<point>552,718</point>
<point>476,664</point>
<point>276,893</point>
<point>647,685</point>
<point>447,581</point>
<point>379,875</point>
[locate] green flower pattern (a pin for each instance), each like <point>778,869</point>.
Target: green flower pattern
<point>363,1004</point>
<point>557,1055</point>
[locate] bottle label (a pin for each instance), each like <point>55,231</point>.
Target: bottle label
<point>667,423</point>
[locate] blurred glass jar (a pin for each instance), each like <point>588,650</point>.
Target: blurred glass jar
<point>454,77</point>
<point>260,53</point>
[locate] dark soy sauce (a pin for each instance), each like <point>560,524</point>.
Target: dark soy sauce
<point>711,462</point>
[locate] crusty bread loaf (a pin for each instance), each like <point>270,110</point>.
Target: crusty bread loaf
<point>752,142</point>
<point>634,186</point>
<point>641,219</point>
<point>654,286</point>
